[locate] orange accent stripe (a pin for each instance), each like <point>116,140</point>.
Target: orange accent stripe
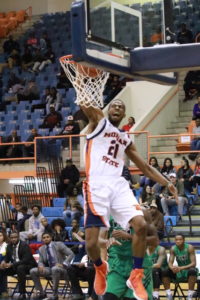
<point>88,158</point>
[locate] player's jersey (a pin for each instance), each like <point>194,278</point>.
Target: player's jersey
<point>182,256</point>
<point>154,258</point>
<point>104,152</point>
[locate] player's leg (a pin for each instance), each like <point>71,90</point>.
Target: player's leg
<point>192,279</point>
<point>116,283</point>
<point>126,212</point>
<point>167,275</point>
<point>156,274</point>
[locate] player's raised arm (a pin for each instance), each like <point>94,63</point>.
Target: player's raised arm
<point>147,169</point>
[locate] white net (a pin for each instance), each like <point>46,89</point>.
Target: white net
<point>88,82</point>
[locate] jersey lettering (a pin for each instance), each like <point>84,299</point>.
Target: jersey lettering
<point>113,150</point>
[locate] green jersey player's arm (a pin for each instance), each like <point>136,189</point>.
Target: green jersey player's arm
<point>171,258</point>
<point>161,258</point>
<point>94,115</point>
<point>192,259</point>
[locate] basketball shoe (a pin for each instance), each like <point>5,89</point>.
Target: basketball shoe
<point>100,278</point>
<point>135,283</point>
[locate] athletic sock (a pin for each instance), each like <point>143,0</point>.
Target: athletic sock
<point>156,294</point>
<point>137,262</point>
<point>168,292</point>
<point>190,293</point>
<point>98,262</point>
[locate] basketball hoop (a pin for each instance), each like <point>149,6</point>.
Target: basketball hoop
<point>88,82</point>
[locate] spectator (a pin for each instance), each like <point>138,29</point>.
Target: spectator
<point>13,150</point>
<point>5,228</point>
<point>69,178</point>
<point>10,45</point>
<point>17,210</point>
<point>147,196</point>
<point>76,234</point>
<point>53,259</point>
<point>26,59</point>
<point>168,200</point>
<point>158,256</point>
<point>21,223</point>
<point>35,228</point>
<point>55,99</point>
<point>157,220</point>
<point>48,58</point>
<point>72,210</point>
<point>168,167</point>
<point>184,174</point>
<point>196,108</point>
<point>18,261</point>
<point>13,60</point>
<point>147,181</point>
<point>28,149</point>
<point>185,271</point>
<point>32,42</point>
<point>3,248</point>
<point>71,127</point>
<point>196,176</point>
<point>46,225</point>
<point>62,81</point>
<point>185,35</point>
<point>129,125</point>
<point>45,42</point>
<point>12,80</point>
<point>53,119</point>
<point>195,144</point>
<point>84,271</point>
<point>75,196</point>
<point>59,233</point>
<point>30,92</point>
<point>191,85</point>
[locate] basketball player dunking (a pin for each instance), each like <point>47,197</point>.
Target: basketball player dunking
<point>107,192</point>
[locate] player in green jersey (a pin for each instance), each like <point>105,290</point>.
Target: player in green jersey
<point>158,256</point>
<point>185,271</point>
<point>120,261</point>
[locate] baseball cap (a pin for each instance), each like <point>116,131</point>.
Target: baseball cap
<point>70,118</point>
<point>52,105</point>
<point>172,175</point>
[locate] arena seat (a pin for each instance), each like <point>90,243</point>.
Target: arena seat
<point>59,202</point>
<point>52,211</point>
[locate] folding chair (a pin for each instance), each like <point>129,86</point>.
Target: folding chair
<point>29,287</point>
<point>178,291</point>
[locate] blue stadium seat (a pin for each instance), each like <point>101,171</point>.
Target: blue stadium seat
<point>59,202</point>
<point>43,131</point>
<point>52,211</point>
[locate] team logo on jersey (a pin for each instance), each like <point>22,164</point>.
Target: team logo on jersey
<point>116,135</point>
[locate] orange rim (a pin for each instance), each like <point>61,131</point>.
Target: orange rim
<point>67,59</point>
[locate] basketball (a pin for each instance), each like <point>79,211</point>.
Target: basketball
<point>88,71</point>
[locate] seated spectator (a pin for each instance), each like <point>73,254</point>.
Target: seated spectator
<point>35,228</point>
<point>76,196</point>
<point>84,271</point>
<point>13,150</point>
<point>158,256</point>
<point>46,59</point>
<point>44,42</point>
<point>157,219</point>
<point>30,92</point>
<point>21,223</point>
<point>10,45</point>
<point>13,60</point>
<point>18,261</point>
<point>129,125</point>
<point>185,35</point>
<point>147,181</point>
<point>196,109</point>
<point>59,233</point>
<point>16,210</point>
<point>44,97</point>
<point>72,210</point>
<point>53,119</point>
<point>147,196</point>
<point>195,144</point>
<point>55,99</point>
<point>32,42</point>
<point>46,225</point>
<point>185,271</point>
<point>168,167</point>
<point>12,80</point>
<point>26,59</point>
<point>69,177</point>
<point>71,127</point>
<point>3,247</point>
<point>195,179</point>
<point>191,85</point>
<point>62,81</point>
<point>184,174</point>
<point>76,234</point>
<point>54,257</point>
<point>5,228</point>
<point>167,199</point>
<point>28,149</point>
